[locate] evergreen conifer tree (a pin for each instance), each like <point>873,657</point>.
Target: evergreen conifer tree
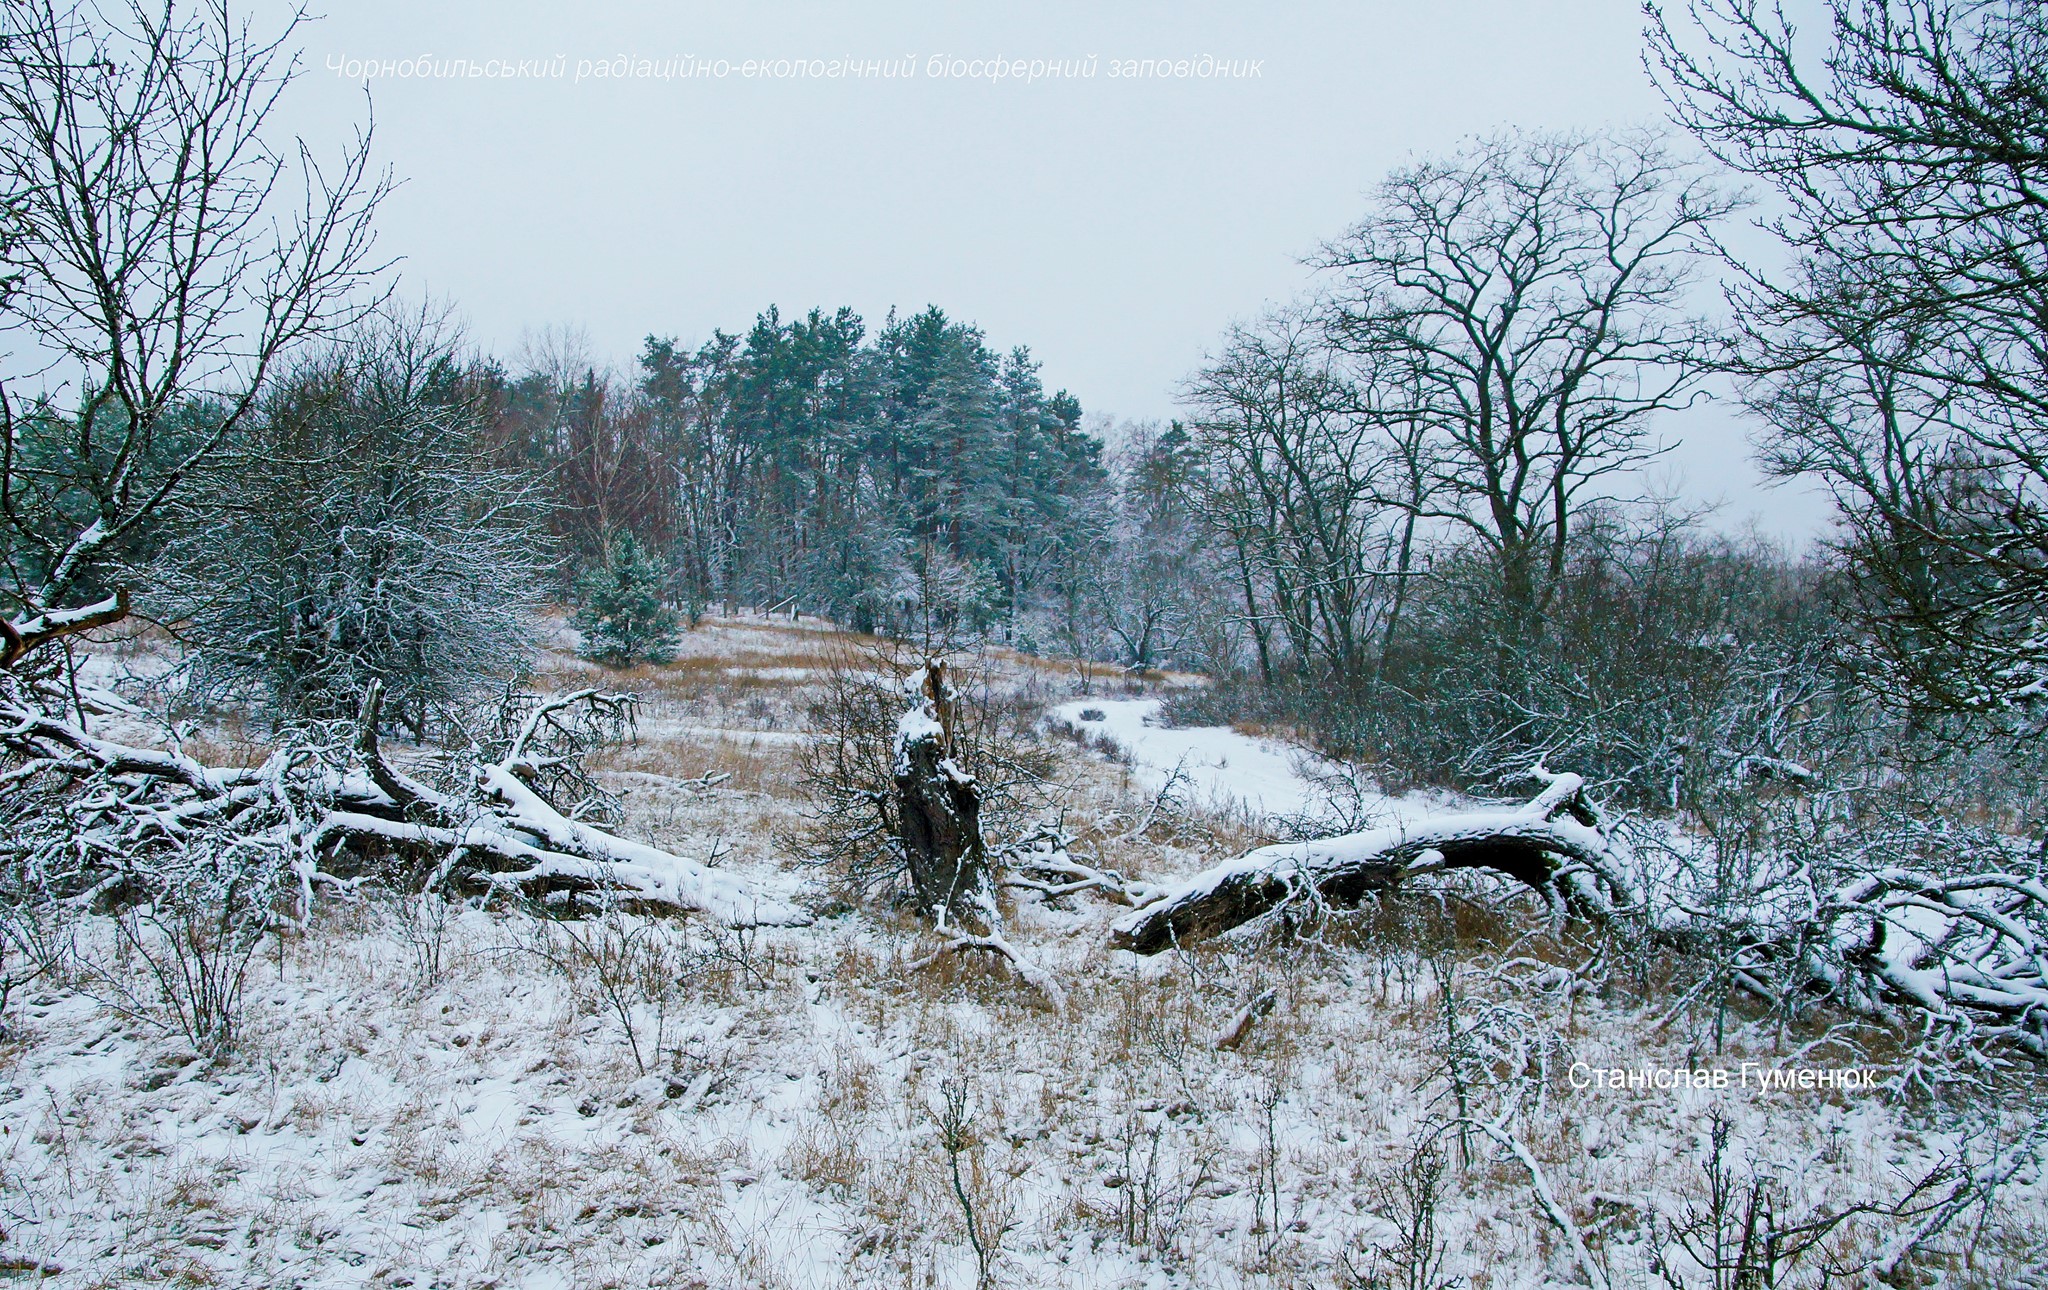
<point>623,618</point>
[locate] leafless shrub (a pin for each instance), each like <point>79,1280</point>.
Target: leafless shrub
<point>184,942</point>
<point>37,934</point>
<point>421,921</point>
<point>1166,1165</point>
<point>1745,1227</point>
<point>193,872</point>
<point>1409,1198</point>
<point>13,976</point>
<point>1268,1091</point>
<point>983,1216</point>
<point>639,969</point>
<point>1851,903</point>
<point>1351,799</point>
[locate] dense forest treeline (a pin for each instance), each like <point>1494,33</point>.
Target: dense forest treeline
<point>806,464</point>
<point>1341,558</point>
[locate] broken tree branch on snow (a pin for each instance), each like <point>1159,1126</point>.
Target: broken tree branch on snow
<point>82,812</point>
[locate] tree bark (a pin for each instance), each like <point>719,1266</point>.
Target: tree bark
<point>1554,844</point>
<point>940,816</point>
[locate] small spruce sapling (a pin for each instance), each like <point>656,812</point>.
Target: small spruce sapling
<point>623,618</point>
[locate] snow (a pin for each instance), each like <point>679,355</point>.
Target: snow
<point>1225,771</point>
<point>646,870</point>
<point>649,731</point>
<point>486,1125</point>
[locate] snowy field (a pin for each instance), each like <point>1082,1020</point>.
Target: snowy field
<point>1221,771</point>
<point>433,1097</point>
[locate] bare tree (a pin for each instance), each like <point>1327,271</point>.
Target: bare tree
<point>1314,474</point>
<point>1533,288</point>
<point>359,532</point>
<point>1903,358</point>
<point>163,256</point>
<point>1146,581</point>
<point>164,248</point>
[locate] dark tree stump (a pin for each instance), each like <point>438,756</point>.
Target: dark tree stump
<point>940,808</point>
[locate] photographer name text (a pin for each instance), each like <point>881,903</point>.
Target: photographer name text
<point>1749,1075</point>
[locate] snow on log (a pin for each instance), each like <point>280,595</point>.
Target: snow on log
<point>537,847</point>
<point>82,800</point>
<point>634,869</point>
<point>1555,843</point>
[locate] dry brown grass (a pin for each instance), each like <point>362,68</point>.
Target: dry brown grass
<point>229,741</point>
<point>692,678</point>
<point>752,767</point>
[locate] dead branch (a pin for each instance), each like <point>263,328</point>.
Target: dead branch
<point>19,640</point>
<point>1043,863</point>
<point>88,809</point>
<point>1240,1026</point>
<point>1033,976</point>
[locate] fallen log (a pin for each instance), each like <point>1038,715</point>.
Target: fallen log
<point>1556,844</point>
<point>1044,863</point>
<point>82,810</point>
<point>1962,955</point>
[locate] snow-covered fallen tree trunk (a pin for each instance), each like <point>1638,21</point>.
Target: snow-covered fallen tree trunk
<point>82,811</point>
<point>1556,843</point>
<point>1942,931</point>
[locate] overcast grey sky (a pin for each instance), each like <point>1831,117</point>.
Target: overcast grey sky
<point>1115,226</point>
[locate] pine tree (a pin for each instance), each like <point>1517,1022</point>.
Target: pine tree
<point>623,617</point>
<point>812,462</point>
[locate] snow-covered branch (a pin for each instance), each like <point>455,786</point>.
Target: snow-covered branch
<point>995,943</point>
<point>1044,863</point>
<point>1556,843</point>
<point>19,639</point>
<point>86,809</point>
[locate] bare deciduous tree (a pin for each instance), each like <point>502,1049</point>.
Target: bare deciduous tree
<point>1313,474</point>
<point>1903,359</point>
<point>358,532</point>
<point>165,247</point>
<point>1532,289</point>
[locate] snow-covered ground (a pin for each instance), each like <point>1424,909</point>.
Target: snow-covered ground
<point>487,1126</point>
<point>475,1116</point>
<point>1225,771</point>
